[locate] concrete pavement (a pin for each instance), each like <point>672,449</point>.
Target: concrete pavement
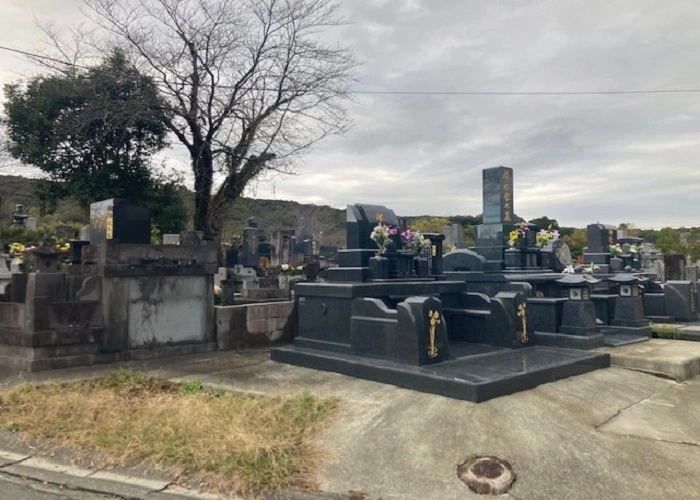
<point>675,359</point>
<point>26,489</point>
<point>608,434</point>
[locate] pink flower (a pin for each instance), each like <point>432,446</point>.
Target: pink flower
<point>406,235</point>
<point>393,231</point>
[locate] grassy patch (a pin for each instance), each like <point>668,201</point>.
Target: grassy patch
<point>248,442</point>
<point>666,331</point>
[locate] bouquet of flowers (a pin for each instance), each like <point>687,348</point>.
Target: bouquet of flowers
<point>615,250</point>
<point>415,241</point>
<point>18,249</point>
<point>289,269</point>
<point>635,249</point>
<point>518,234</point>
<point>545,235</point>
<point>20,255</point>
<point>381,235</point>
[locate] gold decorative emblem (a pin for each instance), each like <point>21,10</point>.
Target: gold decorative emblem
<point>522,314</point>
<point>434,322</point>
<point>109,225</point>
<point>433,250</point>
<point>379,217</point>
<point>539,295</point>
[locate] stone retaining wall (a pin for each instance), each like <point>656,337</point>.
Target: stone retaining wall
<point>255,324</point>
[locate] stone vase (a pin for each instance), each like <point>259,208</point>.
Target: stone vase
<point>616,265</point>
<point>379,268</point>
<point>421,265</point>
<point>626,260</point>
<point>284,281</point>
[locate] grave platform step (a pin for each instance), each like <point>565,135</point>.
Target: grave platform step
<point>661,319</point>
<point>620,339</point>
<point>674,359</point>
<point>476,376</point>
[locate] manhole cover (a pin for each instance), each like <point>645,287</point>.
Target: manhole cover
<point>486,475</point>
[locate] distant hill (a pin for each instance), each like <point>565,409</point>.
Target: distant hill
<point>325,222</point>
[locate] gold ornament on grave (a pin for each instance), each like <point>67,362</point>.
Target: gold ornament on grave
<point>434,322</point>
<point>522,314</point>
<point>379,217</point>
<point>109,225</point>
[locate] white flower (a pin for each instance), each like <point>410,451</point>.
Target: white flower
<point>285,267</point>
<point>569,269</point>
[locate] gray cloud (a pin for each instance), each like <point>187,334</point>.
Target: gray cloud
<point>576,158</point>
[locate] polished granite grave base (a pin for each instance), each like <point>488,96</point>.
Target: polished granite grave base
<point>620,339</point>
<point>616,336</point>
<point>476,373</point>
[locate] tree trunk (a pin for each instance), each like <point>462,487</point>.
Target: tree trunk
<point>203,167</point>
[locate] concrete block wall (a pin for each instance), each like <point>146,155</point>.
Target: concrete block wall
<point>255,324</point>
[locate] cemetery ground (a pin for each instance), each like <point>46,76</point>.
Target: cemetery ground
<point>611,433</point>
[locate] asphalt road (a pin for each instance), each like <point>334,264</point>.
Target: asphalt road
<point>15,488</point>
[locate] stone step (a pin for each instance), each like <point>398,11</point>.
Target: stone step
<point>661,319</point>
<point>674,359</point>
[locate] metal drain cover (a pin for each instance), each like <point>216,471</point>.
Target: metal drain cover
<point>487,475</point>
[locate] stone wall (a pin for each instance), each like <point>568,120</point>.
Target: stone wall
<point>255,324</point>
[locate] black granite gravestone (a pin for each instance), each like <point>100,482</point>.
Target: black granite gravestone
<point>562,254</point>
<point>231,257</point>
<point>498,218</point>
<point>674,266</point>
<point>116,219</point>
<point>498,195</point>
<point>680,300</point>
<point>361,219</point>
<point>250,256</point>
<point>600,237</point>
<point>463,261</point>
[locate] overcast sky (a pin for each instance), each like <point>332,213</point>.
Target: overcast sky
<point>579,159</point>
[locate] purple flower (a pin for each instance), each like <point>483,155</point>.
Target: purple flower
<point>393,231</point>
<point>406,235</point>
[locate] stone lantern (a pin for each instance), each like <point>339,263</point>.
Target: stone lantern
<point>577,287</point>
<point>46,259</point>
<point>19,218</point>
<point>629,306</point>
<point>578,313</point>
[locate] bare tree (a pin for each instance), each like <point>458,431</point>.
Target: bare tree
<point>6,161</point>
<point>250,85</point>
